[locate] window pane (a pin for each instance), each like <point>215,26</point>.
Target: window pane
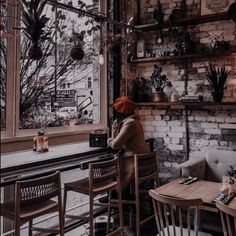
<point>57,90</point>
<point>3,62</point>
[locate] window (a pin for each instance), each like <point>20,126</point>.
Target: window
<point>54,91</point>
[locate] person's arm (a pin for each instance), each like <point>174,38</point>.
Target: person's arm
<point>127,131</point>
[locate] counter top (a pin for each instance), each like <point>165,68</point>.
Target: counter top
<point>29,157</point>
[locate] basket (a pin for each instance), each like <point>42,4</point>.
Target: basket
<point>98,138</point>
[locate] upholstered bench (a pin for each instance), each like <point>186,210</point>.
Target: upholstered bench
<point>212,167</point>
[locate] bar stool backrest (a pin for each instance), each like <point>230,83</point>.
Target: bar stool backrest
<point>33,191</point>
<point>103,172</point>
<point>146,166</point>
<point>169,212</point>
<point>228,219</point>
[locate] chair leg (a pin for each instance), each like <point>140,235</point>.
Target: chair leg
<point>61,220</point>
<point>121,213</point>
<point>17,228</point>
<point>137,209</point>
<point>109,212</point>
<point>91,214</point>
<point>30,227</point>
<point>64,202</point>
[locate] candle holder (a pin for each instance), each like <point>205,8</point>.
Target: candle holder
<point>40,142</point>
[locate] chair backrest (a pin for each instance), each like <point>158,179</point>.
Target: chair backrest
<point>228,219</point>
<point>102,172</point>
<point>36,190</point>
<point>170,213</point>
<point>146,167</point>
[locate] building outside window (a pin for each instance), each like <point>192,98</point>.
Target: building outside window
<point>48,89</point>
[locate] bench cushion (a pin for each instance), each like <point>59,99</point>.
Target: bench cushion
<point>218,162</point>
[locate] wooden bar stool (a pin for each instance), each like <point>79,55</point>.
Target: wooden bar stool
<point>33,198</point>
<point>146,170</point>
<point>103,177</point>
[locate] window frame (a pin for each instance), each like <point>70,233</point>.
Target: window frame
<point>12,134</point>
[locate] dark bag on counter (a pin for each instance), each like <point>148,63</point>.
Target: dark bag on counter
<point>98,138</point>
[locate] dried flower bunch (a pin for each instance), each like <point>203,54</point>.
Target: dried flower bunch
<point>159,81</point>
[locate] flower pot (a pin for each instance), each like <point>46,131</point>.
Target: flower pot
<point>159,97</point>
<point>77,52</point>
<point>35,52</point>
<point>217,96</point>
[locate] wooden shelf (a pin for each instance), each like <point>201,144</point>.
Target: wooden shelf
<point>194,20</point>
<point>181,105</point>
<point>180,57</point>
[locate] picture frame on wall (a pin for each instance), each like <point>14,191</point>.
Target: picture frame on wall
<point>209,7</point>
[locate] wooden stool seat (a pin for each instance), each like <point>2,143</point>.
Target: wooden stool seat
<point>33,198</point>
<point>103,178</point>
<point>82,186</point>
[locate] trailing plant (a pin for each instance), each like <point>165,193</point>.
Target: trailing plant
<point>35,22</point>
<point>217,78</point>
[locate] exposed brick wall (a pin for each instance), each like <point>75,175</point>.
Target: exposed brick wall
<point>209,127</point>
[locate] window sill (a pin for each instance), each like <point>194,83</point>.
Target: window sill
<point>23,139</point>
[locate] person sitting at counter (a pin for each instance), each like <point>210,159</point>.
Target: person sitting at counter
<point>128,136</point>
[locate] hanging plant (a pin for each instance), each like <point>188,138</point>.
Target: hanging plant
<point>77,52</point>
<point>34,21</point>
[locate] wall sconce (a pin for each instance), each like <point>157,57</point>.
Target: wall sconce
<point>101,57</point>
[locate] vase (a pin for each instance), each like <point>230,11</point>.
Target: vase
<point>159,97</point>
<point>217,96</point>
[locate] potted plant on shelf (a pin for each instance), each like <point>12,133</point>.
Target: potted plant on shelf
<point>77,52</point>
<point>159,82</point>
<point>34,21</point>
<point>217,78</point>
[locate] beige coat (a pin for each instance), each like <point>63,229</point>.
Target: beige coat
<point>129,137</point>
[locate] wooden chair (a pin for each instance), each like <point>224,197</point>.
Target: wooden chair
<point>228,219</point>
<point>145,169</point>
<point>103,177</point>
<point>170,212</point>
<point>33,198</point>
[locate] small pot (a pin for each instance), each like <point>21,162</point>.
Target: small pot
<point>77,53</point>
<point>217,96</point>
<point>35,52</point>
<point>159,97</point>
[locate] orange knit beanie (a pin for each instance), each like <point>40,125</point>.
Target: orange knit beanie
<point>124,105</point>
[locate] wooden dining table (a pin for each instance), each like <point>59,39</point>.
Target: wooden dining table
<point>205,190</point>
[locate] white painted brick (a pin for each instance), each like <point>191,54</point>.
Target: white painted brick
<point>147,117</point>
<point>175,164</point>
<point>228,126</point>
<point>202,142</point>
<point>175,147</point>
<point>214,143</point>
<point>159,134</point>
<point>158,117</point>
<point>211,118</point>
<point>175,140</point>
<point>175,135</point>
<point>174,123</point>
<point>209,125</point>
<point>148,128</point>
<point>163,128</point>
<point>191,118</point>
<point>145,112</point>
<point>220,119</point>
<point>159,112</point>
<point>167,164</point>
<point>167,140</point>
<point>200,118</point>
<point>212,131</point>
<point>146,122</point>
<point>224,144</point>
<point>147,134</point>
<point>150,9</point>
<point>159,123</point>
<point>230,119</point>
<point>178,129</point>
